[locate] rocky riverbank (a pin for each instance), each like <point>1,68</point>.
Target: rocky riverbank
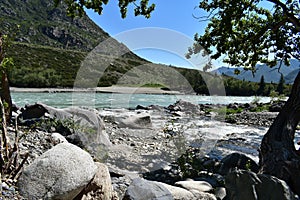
<point>183,151</point>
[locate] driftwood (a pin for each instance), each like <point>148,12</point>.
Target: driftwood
<point>278,156</point>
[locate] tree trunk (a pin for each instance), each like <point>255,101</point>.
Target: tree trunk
<point>5,96</point>
<point>5,92</point>
<point>278,156</point>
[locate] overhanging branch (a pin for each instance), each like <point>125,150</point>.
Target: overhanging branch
<point>291,17</point>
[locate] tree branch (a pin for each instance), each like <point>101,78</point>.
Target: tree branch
<point>207,17</point>
<point>291,17</point>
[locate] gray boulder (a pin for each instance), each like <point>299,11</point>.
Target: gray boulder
<point>31,112</point>
<point>247,185</point>
<point>60,173</point>
<point>239,161</point>
<point>220,193</point>
<point>100,187</point>
<point>143,189</point>
<point>201,186</point>
<point>186,107</point>
<point>178,193</point>
<point>57,138</point>
<point>276,106</point>
<point>199,189</point>
<point>82,127</point>
<point>184,194</point>
<point>139,121</point>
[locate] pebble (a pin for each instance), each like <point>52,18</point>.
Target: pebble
<point>5,186</point>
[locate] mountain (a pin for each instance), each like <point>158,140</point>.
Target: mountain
<point>226,71</point>
<point>43,24</point>
<point>289,78</point>
<point>50,46</point>
<point>271,75</point>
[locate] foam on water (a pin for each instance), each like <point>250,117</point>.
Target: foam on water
<point>219,138</point>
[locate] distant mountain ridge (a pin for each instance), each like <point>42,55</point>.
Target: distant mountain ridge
<point>271,75</point>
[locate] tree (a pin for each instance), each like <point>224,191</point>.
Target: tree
<point>76,8</point>
<point>6,152</point>
<point>247,34</point>
<point>5,64</point>
<point>280,86</point>
<point>262,85</point>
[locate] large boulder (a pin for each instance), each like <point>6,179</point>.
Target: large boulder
<point>199,189</point>
<point>201,186</point>
<point>138,121</point>
<point>246,185</point>
<point>186,107</point>
<point>60,173</point>
<point>239,161</point>
<point>276,106</point>
<point>144,189</point>
<point>82,127</point>
<point>178,193</point>
<point>188,194</point>
<point>33,112</point>
<point>100,187</point>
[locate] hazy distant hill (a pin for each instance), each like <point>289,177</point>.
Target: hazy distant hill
<point>291,76</point>
<point>270,74</point>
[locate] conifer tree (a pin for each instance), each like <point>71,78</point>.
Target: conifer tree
<point>262,85</point>
<point>280,86</point>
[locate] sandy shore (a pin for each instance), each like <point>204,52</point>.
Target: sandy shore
<point>111,89</point>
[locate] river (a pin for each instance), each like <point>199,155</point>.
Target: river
<point>220,138</point>
<point>113,100</point>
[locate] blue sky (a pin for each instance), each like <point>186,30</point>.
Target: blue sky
<point>173,16</point>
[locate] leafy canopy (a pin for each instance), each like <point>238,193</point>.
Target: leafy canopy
<point>76,7</point>
<point>247,33</point>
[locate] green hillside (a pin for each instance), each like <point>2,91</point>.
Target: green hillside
<point>43,24</point>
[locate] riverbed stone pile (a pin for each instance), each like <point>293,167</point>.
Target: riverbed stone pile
<point>139,158</point>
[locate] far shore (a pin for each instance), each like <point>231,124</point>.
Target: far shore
<point>111,89</point>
